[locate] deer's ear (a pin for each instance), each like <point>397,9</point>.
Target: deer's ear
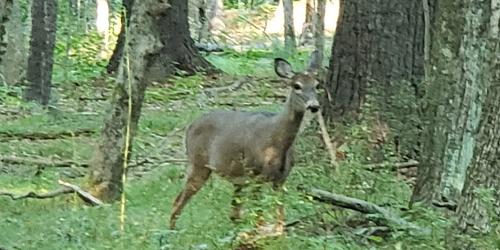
<point>283,68</point>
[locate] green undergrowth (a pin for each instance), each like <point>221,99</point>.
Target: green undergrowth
<point>64,223</point>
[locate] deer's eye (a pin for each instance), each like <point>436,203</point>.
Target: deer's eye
<point>296,86</point>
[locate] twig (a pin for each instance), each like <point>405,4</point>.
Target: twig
<point>328,141</point>
<point>34,195</point>
<point>42,162</point>
<point>394,166</point>
<point>360,206</point>
<point>8,136</point>
<point>84,195</point>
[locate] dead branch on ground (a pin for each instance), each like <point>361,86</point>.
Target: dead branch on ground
<point>9,136</point>
<point>34,195</point>
<point>66,189</point>
<point>361,206</point>
<point>82,194</point>
<point>43,162</point>
<point>394,166</point>
<point>235,86</point>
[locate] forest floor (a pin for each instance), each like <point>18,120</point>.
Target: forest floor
<point>68,132</point>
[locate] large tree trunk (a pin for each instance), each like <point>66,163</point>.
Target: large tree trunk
<point>179,51</point>
<point>114,61</point>
<point>376,48</point>
<point>379,52</point>
<point>144,43</point>
<point>290,43</point>
<point>480,200</point>
<point>43,36</point>
<point>453,100</point>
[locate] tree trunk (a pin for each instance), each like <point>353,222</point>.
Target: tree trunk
<point>453,100</point>
<point>114,61</point>
<point>43,36</point>
<point>480,201</point>
<point>5,15</point>
<point>143,44</point>
<point>307,26</point>
<point>319,29</point>
<point>16,41</point>
<point>377,49</point>
<point>290,43</point>
<point>206,18</point>
<point>179,51</point>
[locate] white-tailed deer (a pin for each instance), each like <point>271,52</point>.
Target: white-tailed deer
<point>242,145</point>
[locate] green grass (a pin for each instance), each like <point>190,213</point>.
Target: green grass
<point>64,223</point>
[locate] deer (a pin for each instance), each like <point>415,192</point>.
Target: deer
<point>241,145</point>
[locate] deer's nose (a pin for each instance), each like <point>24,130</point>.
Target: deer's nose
<point>312,105</point>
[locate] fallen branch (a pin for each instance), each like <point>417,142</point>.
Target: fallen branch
<point>9,136</point>
<point>42,162</point>
<point>66,189</point>
<point>83,195</point>
<point>394,166</point>
<point>328,141</point>
<point>34,195</point>
<point>360,206</point>
<point>235,86</point>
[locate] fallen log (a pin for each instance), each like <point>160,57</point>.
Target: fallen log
<point>6,136</point>
<point>86,196</point>
<point>361,206</point>
<point>34,195</point>
<point>66,189</point>
<point>42,162</point>
<point>393,166</point>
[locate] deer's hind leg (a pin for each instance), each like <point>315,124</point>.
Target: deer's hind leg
<point>197,177</point>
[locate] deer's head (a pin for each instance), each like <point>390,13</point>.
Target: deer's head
<point>303,84</point>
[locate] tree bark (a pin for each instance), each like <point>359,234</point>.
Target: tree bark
<point>453,101</point>
<point>5,15</point>
<point>114,61</point>
<point>179,51</point>
<point>206,19</point>
<point>16,41</point>
<point>143,44</point>
<point>373,47</point>
<point>377,53</point>
<point>480,200</point>
<point>307,26</point>
<point>319,29</point>
<point>290,43</point>
<point>43,35</point>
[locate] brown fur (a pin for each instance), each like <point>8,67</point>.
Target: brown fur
<point>241,146</point>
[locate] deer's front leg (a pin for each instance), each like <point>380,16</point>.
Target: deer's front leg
<point>279,227</point>
<point>236,203</point>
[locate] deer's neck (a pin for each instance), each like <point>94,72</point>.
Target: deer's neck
<point>289,122</point>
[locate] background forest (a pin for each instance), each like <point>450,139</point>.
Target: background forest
<point>96,96</point>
